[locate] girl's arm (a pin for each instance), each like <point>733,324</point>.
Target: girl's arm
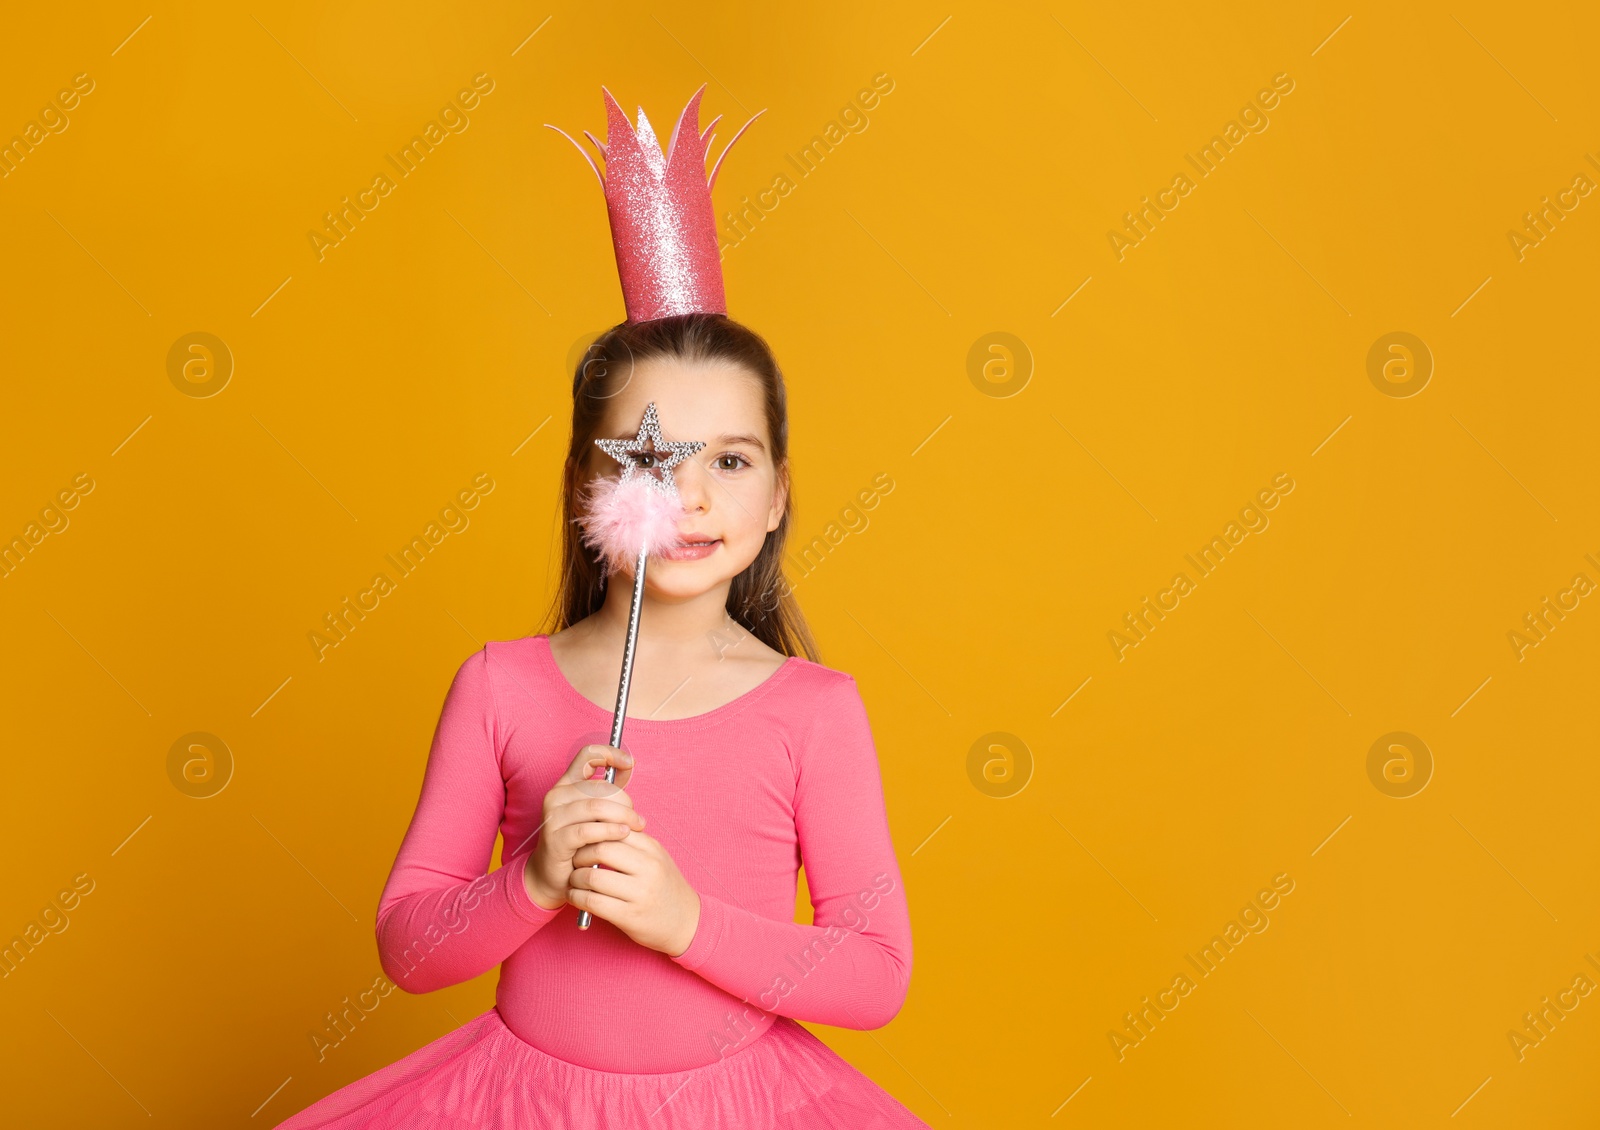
<point>441,919</point>
<point>852,967</point>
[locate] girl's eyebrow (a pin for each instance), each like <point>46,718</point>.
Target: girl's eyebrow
<point>724,440</point>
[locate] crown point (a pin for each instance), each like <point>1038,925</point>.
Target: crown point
<point>659,204</point>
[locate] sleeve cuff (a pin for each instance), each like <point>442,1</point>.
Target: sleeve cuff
<point>707,933</point>
<point>517,894</point>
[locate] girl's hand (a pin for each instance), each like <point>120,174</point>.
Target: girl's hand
<point>579,812</point>
<point>643,894</point>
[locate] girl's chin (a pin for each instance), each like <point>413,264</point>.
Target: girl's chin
<point>681,579</point>
<point>678,589</point>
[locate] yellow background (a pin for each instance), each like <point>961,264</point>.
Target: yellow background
<point>1225,749</point>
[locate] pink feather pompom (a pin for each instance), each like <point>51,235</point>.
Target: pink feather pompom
<point>621,517</point>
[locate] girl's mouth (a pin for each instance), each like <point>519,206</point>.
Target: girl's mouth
<point>693,550</point>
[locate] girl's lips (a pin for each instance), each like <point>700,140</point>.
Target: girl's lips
<point>692,551</point>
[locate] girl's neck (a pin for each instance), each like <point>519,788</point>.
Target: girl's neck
<point>664,625</point>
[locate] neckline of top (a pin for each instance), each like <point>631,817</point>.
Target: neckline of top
<point>546,658</point>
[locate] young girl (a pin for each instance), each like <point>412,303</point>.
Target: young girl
<point>744,759</point>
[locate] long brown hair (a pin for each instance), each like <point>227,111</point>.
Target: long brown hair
<point>759,599</point>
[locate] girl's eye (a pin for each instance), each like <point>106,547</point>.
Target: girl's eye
<point>730,461</point>
<point>645,459</point>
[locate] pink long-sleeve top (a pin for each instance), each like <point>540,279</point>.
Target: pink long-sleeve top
<point>740,797</point>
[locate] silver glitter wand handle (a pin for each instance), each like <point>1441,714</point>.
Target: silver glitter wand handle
<point>584,917</point>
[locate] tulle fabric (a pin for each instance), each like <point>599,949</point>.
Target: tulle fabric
<point>485,1077</point>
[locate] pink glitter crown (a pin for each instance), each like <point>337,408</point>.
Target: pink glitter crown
<point>662,225</point>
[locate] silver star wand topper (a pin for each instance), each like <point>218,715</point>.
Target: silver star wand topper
<point>635,515</point>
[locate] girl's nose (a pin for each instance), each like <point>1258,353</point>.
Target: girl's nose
<point>692,487</point>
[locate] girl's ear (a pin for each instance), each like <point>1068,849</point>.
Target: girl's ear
<point>780,497</point>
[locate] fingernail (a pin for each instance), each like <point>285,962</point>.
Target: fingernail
<point>625,758</point>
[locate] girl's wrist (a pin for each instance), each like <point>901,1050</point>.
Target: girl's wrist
<point>542,899</point>
<point>686,940</point>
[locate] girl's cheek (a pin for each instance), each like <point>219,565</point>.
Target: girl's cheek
<point>744,519</point>
<point>750,515</point>
<point>749,500</point>
<point>739,528</point>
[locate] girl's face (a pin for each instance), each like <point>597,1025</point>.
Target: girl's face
<point>733,493</point>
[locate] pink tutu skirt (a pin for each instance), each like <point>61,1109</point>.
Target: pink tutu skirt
<point>485,1077</point>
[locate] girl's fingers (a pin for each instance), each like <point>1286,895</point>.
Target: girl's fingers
<point>597,904</point>
<point>619,855</point>
<point>587,810</point>
<point>596,832</point>
<point>577,790</point>
<point>569,839</point>
<point>608,809</point>
<point>600,880</point>
<point>593,757</point>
